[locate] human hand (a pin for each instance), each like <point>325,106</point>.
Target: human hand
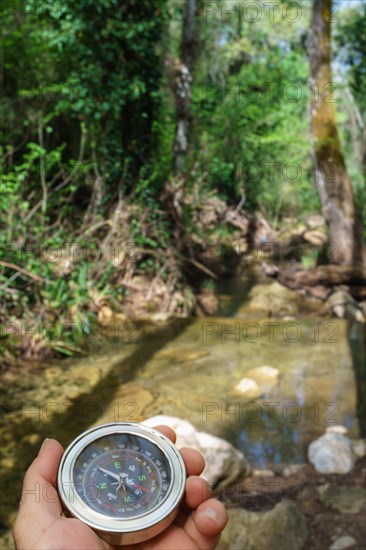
<point>40,524</point>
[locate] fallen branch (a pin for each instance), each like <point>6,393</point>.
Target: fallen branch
<point>24,271</point>
<point>323,277</point>
<point>201,267</point>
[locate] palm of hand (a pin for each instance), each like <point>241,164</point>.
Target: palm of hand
<point>76,535</point>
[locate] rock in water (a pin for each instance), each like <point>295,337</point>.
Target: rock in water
<point>343,542</point>
<point>266,377</point>
<point>344,306</point>
<point>248,388</point>
<point>224,463</point>
<point>332,453</point>
<point>282,527</point>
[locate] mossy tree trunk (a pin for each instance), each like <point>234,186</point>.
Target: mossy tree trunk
<point>331,177</point>
<point>183,93</point>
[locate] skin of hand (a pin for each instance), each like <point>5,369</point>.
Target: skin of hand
<point>40,524</point>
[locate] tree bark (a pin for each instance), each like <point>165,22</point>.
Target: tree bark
<point>331,178</point>
<point>183,91</point>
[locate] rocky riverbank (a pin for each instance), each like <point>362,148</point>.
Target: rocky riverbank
<point>296,508</point>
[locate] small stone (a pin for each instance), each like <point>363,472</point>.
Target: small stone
<point>343,542</point>
<point>293,469</point>
<point>359,447</point>
<point>266,377</point>
<point>247,387</point>
<point>344,305</point>
<point>263,473</point>
<point>332,454</point>
<point>159,316</point>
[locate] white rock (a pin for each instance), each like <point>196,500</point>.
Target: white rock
<point>332,454</point>
<point>248,387</point>
<point>224,463</point>
<point>343,542</point>
<point>183,428</point>
<point>340,311</point>
<point>263,473</point>
<point>266,377</point>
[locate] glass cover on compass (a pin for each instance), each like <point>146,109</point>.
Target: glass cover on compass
<point>122,475</point>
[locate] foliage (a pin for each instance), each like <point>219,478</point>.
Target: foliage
<point>351,41</point>
<point>91,63</point>
<point>253,114</point>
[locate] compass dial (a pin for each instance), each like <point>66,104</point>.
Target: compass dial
<point>124,480</point>
<point>122,475</point>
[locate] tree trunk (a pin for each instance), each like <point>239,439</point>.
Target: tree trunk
<point>183,91</point>
<point>331,178</point>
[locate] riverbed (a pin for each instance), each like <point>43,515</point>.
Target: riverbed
<point>206,370</point>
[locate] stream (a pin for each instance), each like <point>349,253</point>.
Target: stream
<point>206,371</point>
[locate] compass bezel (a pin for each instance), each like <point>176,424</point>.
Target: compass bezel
<point>117,530</point>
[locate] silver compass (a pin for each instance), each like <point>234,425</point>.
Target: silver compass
<point>124,480</point>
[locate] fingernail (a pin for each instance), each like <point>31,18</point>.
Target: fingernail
<point>212,514</point>
<point>43,444</point>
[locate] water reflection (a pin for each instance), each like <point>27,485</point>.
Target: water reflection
<point>271,439</point>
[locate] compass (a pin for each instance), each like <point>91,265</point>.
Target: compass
<point>124,480</point>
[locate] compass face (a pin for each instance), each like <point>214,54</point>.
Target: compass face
<point>124,480</point>
<point>122,475</point>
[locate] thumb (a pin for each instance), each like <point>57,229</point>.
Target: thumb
<point>39,492</point>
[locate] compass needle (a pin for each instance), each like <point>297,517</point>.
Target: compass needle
<point>108,473</point>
